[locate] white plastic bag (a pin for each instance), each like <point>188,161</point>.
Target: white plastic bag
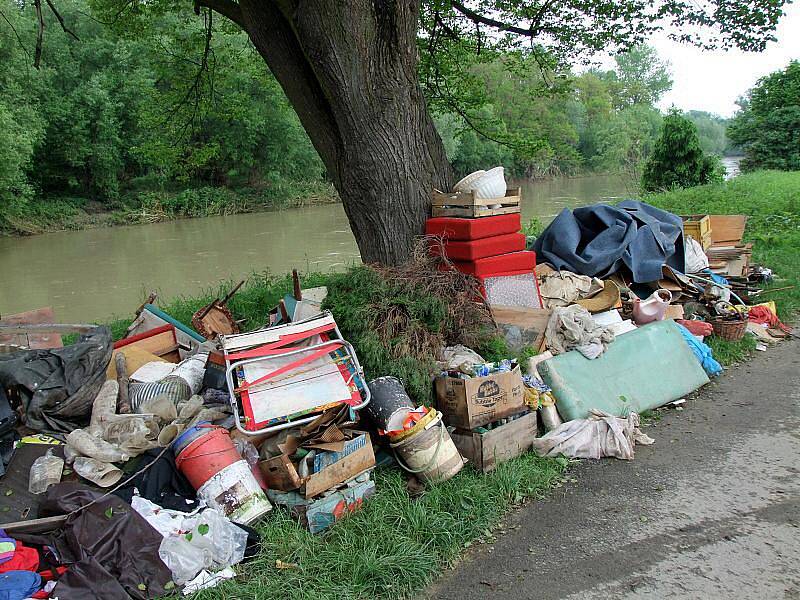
<point>598,436</point>
<point>193,542</point>
<point>45,471</point>
<point>183,559</point>
<point>696,259</point>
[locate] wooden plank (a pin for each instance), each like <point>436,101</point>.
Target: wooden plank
<point>473,212</point>
<point>34,341</point>
<point>513,196</point>
<point>463,200</point>
<point>726,229</point>
<point>42,525</point>
<point>346,468</point>
<point>487,450</point>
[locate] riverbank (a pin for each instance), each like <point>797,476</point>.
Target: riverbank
<point>148,207</point>
<point>396,545</point>
<point>64,213</point>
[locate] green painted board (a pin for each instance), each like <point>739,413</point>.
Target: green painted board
<point>640,370</point>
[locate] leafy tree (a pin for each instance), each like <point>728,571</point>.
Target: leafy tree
<point>641,77</point>
<point>711,131</point>
<point>350,70</point>
<point>767,125</point>
<point>678,160</point>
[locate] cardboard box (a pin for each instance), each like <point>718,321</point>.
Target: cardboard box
<point>487,450</point>
<point>470,403</point>
<point>319,514</point>
<point>280,473</point>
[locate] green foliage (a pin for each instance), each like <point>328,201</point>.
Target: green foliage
<point>767,125</point>
<point>356,296</point>
<point>641,77</point>
<point>711,130</point>
<point>678,160</point>
<point>140,106</point>
<point>603,121</point>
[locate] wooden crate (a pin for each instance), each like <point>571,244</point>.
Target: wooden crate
<point>465,204</point>
<point>487,450</point>
<point>699,227</point>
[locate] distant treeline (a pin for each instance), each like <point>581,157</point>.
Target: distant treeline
<point>602,121</point>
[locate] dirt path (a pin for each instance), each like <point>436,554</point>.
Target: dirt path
<point>711,510</point>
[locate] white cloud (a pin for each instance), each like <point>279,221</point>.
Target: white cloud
<point>712,81</point>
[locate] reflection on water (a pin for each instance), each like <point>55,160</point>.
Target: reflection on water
<point>97,273</point>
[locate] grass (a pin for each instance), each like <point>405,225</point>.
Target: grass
<point>55,214</point>
<point>395,544</point>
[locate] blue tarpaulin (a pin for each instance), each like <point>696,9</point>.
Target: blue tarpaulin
<point>599,240</point>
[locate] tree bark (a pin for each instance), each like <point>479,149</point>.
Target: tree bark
<point>349,69</point>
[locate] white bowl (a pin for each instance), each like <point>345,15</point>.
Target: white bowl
<point>465,184</point>
<point>491,184</point>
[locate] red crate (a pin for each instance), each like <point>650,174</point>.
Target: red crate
<point>460,229</point>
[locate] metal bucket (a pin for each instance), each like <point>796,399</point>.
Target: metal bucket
<point>428,452</point>
<point>236,493</point>
<point>388,399</point>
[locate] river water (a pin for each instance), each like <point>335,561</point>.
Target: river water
<point>95,274</point>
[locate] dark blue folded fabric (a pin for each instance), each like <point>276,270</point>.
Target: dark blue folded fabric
<point>599,240</point>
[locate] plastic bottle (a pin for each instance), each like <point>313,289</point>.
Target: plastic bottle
<point>45,471</point>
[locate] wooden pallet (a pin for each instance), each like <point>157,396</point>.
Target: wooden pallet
<point>465,204</point>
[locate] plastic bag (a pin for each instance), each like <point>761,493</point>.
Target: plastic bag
<point>192,370</point>
<point>183,560</point>
<point>696,259</point>
<point>105,404</point>
<point>598,436</point>
<point>212,542</point>
<point>45,471</point>
<point>88,445</point>
<point>99,473</point>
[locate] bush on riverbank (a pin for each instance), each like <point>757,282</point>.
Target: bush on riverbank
<point>56,214</point>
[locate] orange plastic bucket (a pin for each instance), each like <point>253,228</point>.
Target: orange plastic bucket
<point>206,456</point>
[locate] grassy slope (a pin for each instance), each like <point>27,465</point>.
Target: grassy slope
<point>396,545</point>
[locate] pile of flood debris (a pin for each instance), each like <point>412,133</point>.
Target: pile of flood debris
<point>137,466</point>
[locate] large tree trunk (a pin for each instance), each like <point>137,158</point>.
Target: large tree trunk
<point>349,69</point>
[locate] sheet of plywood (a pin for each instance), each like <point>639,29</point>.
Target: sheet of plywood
<point>34,341</point>
<point>726,229</point>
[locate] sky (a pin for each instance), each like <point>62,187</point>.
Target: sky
<point>712,81</point>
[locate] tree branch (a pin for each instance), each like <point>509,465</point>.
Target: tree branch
<point>227,8</point>
<point>58,16</point>
<point>19,39</point>
<point>37,54</point>
<point>480,19</point>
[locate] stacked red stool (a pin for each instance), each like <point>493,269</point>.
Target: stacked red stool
<point>493,250</point>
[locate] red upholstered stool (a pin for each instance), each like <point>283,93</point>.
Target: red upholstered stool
<point>512,262</point>
<point>482,248</point>
<point>455,228</point>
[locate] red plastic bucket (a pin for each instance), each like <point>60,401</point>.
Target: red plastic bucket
<point>206,456</point>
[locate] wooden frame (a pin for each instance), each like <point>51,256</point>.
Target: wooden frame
<point>466,204</point>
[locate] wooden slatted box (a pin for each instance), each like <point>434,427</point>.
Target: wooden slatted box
<point>466,204</point>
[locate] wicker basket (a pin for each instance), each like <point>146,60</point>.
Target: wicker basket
<point>729,330</point>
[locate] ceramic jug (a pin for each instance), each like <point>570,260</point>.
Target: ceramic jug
<point>652,309</point>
